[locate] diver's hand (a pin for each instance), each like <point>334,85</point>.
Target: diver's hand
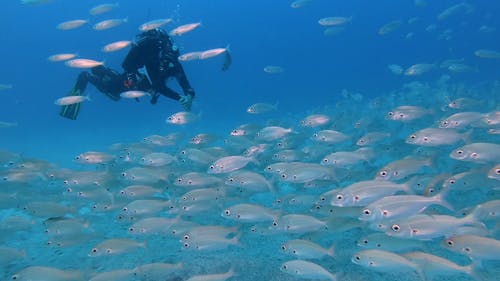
<point>186,102</point>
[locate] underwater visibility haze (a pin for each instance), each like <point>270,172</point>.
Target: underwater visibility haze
<point>328,140</point>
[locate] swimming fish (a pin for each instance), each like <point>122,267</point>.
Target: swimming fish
<point>180,30</point>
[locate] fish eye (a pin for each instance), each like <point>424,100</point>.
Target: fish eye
<point>131,229</point>
<point>325,160</point>
<point>385,212</point>
<point>367,212</point>
<point>294,252</point>
<point>340,197</point>
<point>124,174</point>
<point>77,158</point>
<point>125,209</point>
<point>467,249</point>
<point>227,212</point>
<point>283,247</point>
<point>122,192</point>
<point>450,243</point>
<point>275,223</point>
<point>473,155</point>
<point>390,113</point>
<point>460,152</point>
<point>497,171</point>
<point>186,237</point>
<point>414,231</point>
<point>66,182</point>
<point>383,173</point>
<point>285,266</point>
<point>357,258</point>
<point>413,137</point>
<point>396,228</point>
<point>356,197</point>
<point>94,250</point>
<point>365,241</point>
<point>451,181</point>
<point>14,277</point>
<point>445,123</point>
<point>284,176</point>
<point>212,167</point>
<point>186,245</point>
<point>426,139</point>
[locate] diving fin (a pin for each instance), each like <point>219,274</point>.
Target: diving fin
<point>71,111</point>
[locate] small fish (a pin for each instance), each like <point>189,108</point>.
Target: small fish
<point>300,3</point>
<point>461,68</point>
<point>5,87</point>
<point>94,157</point>
<point>487,54</point>
<point>154,24</point>
<point>4,124</point>
<point>333,30</point>
<point>334,21</point>
<point>184,29</point>
<point>114,275</point>
<point>213,277</point>
<point>389,27</point>
<point>399,206</point>
<point>61,57</point>
<point>461,120</point>
<point>271,133</point>
<point>47,273</point>
<point>134,94</point>
<point>83,63</point>
<point>107,24</point>
<point>406,113</point>
<point>182,118</point>
<point>190,56</point>
<point>157,159</point>
<point>116,46</point>
<point>477,152</point>
<point>305,249</point>
<point>475,247</point>
<point>115,246</point>
<point>273,69</point>
<point>315,120</point>
<point>396,69</point>
<point>213,52</point>
<point>330,137</point>
<point>381,241</point>
<point>448,12</point>
<point>249,213</point>
<point>437,266</point>
<point>71,100</point>
<point>384,261</point>
<point>435,137</point>
<point>307,270</point>
<point>229,164</point>
<point>259,108</point>
<point>418,69</point>
<point>103,8</point>
<point>72,24</point>
<point>372,138</point>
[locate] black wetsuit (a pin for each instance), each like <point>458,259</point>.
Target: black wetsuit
<point>110,82</point>
<point>155,50</point>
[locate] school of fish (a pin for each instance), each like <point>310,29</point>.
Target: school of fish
<point>403,186</point>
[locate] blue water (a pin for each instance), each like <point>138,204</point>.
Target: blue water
<point>317,68</point>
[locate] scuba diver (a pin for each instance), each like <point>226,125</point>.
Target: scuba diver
<point>153,50</point>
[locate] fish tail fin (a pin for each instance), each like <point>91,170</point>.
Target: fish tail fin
<point>331,251</point>
<point>440,201</point>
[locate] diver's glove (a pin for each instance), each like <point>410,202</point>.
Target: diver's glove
<point>186,101</point>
